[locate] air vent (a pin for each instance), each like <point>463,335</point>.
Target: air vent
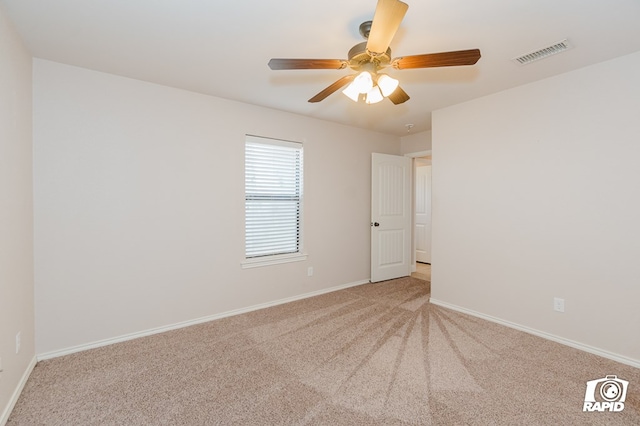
<point>542,53</point>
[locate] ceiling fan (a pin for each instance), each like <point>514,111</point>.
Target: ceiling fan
<point>373,55</point>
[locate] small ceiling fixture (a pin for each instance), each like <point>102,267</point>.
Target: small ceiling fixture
<point>545,52</point>
<point>409,127</point>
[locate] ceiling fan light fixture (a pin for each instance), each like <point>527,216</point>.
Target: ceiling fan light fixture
<point>373,55</point>
<point>374,95</point>
<point>387,84</point>
<point>363,82</point>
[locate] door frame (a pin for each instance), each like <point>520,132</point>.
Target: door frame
<point>413,156</point>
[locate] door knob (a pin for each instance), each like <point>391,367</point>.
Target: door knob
<point>375,224</point>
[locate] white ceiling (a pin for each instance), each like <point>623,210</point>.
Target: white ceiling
<point>221,48</point>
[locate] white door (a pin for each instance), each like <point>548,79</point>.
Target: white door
<point>390,217</point>
<point>423,214</point>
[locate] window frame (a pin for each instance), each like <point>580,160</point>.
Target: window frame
<point>274,259</point>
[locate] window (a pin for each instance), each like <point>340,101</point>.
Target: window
<point>273,201</point>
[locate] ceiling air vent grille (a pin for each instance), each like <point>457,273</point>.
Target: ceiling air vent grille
<point>542,53</point>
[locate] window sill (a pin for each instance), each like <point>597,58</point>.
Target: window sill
<point>273,260</point>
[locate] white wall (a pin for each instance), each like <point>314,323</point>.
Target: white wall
<point>16,215</point>
<point>536,196</point>
<point>139,205</point>
<point>415,142</point>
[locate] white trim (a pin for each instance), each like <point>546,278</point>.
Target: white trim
<point>16,393</point>
<point>577,345</point>
<point>277,259</point>
<point>149,332</point>
<point>273,141</point>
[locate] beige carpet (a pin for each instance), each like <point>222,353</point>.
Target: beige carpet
<point>372,354</point>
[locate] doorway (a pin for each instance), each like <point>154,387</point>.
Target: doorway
<point>395,249</point>
<point>423,271</point>
<point>422,210</point>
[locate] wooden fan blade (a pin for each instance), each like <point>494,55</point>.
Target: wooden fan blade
<point>335,86</point>
<point>386,21</point>
<point>398,96</point>
<point>307,64</point>
<point>432,60</point>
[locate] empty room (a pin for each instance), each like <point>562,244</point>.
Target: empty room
<point>357,213</point>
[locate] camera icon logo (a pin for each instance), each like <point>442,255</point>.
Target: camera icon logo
<point>606,394</point>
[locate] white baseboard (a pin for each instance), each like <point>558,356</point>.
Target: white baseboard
<point>149,332</point>
<point>16,393</point>
<point>577,345</point>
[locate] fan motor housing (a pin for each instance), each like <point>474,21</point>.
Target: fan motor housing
<point>358,56</point>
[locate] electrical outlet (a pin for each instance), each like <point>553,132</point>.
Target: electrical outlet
<point>18,339</point>
<point>310,271</point>
<point>558,304</point>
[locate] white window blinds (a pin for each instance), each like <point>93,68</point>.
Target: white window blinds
<point>273,195</point>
